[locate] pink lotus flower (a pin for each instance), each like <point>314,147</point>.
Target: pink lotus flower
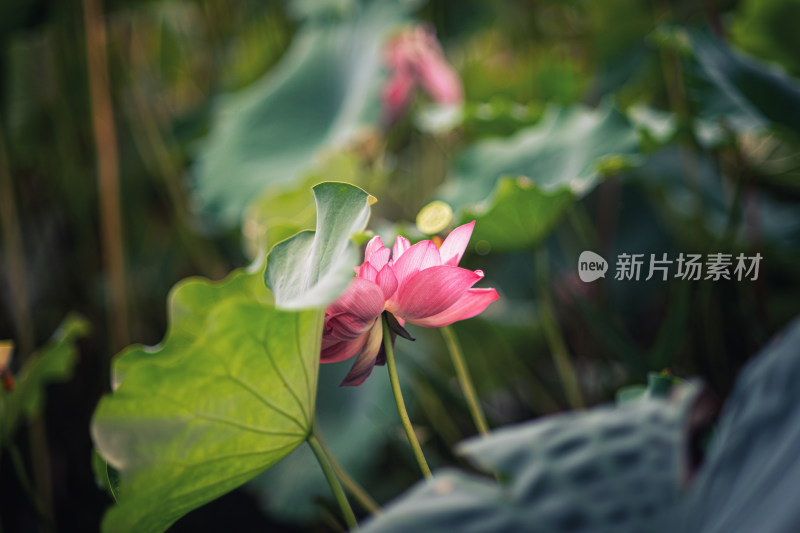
<point>414,59</point>
<point>421,284</point>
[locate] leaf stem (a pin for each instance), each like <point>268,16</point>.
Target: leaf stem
<point>464,379</point>
<point>333,481</point>
<point>398,399</point>
<point>28,488</point>
<point>555,339</point>
<point>350,485</point>
<point>560,354</point>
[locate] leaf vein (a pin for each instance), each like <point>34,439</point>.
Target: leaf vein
<point>236,455</point>
<point>240,425</point>
<point>300,404</point>
<point>265,401</point>
<point>302,361</point>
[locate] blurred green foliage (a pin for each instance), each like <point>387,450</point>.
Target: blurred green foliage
<point>715,135</point>
<point>766,29</point>
<point>53,362</point>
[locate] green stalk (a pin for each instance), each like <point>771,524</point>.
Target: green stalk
<point>465,380</point>
<point>46,521</point>
<point>401,405</point>
<point>350,485</point>
<point>333,481</point>
<point>435,410</point>
<point>560,354</point>
<point>555,339</point>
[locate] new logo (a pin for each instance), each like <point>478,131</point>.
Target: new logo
<point>591,266</point>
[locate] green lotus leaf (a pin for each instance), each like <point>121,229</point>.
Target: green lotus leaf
<point>312,268</point>
<point>751,466</point>
<point>746,93</point>
<point>321,94</point>
<point>562,157</point>
<point>194,420</point>
<point>607,469</point>
<point>517,215</point>
<point>231,390</point>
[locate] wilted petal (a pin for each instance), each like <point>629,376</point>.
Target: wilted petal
<point>387,281</point>
<point>342,350</point>
<point>365,362</point>
<point>452,249</point>
<point>471,303</point>
<point>422,255</point>
<point>396,327</point>
<point>343,327</point>
<point>401,244</point>
<point>431,291</point>
<point>357,307</point>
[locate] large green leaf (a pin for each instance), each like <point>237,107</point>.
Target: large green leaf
<point>750,476</point>
<point>231,389</point>
<point>565,150</point>
<point>51,363</point>
<point>228,394</point>
<point>517,215</point>
<point>313,267</point>
<point>318,96</point>
<point>190,303</point>
<point>608,469</point>
<point>744,91</point>
<point>559,159</point>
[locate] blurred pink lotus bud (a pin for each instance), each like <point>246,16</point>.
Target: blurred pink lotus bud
<point>414,58</point>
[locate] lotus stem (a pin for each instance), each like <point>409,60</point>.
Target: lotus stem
<point>398,399</point>
<point>558,347</point>
<point>46,522</point>
<point>350,485</point>
<point>464,379</point>
<point>333,481</point>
